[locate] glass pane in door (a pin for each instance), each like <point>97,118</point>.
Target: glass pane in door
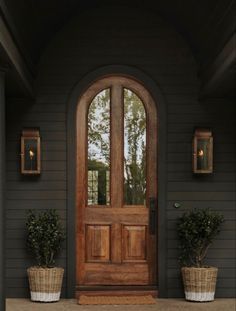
<point>99,149</point>
<point>134,149</point>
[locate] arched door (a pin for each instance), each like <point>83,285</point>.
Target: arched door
<point>116,185</point>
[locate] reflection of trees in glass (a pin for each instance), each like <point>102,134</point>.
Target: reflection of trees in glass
<point>135,149</point>
<point>99,148</point>
<point>98,183</point>
<point>99,128</point>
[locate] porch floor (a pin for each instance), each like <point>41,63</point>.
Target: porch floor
<point>162,305</point>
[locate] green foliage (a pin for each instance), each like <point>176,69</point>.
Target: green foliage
<point>196,231</point>
<point>45,235</point>
<point>99,128</point>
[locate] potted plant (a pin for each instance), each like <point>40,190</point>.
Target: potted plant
<point>45,235</point>
<point>196,231</point>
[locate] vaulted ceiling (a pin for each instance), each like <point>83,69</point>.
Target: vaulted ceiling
<point>206,25</point>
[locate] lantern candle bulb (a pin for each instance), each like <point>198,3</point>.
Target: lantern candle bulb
<point>200,153</point>
<point>31,153</point>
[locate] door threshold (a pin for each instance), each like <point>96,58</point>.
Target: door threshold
<point>116,291</point>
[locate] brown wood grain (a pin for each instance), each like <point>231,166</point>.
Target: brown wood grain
<point>97,243</point>
<point>134,243</point>
<point>117,146</point>
<point>116,249</point>
<point>124,255</point>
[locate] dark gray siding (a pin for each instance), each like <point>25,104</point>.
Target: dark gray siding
<point>216,191</point>
<point>144,41</point>
<point>44,192</point>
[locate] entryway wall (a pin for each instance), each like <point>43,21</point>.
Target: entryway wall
<point>147,47</point>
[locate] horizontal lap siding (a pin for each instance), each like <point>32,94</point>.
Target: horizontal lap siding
<point>216,191</point>
<point>36,193</point>
<point>146,42</point>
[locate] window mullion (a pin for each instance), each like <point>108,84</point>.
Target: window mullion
<point>117,145</point>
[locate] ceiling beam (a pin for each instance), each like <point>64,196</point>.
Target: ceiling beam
<point>220,68</point>
<point>16,62</point>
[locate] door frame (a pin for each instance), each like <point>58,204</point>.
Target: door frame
<point>77,92</point>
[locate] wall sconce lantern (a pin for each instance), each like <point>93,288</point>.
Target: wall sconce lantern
<point>202,151</point>
<point>30,152</point>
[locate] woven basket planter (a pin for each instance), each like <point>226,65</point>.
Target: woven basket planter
<point>45,283</point>
<point>199,283</point>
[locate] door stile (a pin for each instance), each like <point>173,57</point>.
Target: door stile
<point>117,143</point>
<point>151,177</point>
<point>81,186</point>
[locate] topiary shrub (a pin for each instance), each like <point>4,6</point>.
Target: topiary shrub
<point>45,235</point>
<point>196,231</point>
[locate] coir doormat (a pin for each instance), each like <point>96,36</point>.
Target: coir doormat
<point>116,300</point>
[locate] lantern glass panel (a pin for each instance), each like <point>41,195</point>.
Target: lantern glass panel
<point>203,151</point>
<point>203,146</point>
<point>31,154</point>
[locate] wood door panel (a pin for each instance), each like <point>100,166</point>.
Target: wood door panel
<point>134,243</point>
<point>114,274</point>
<point>116,215</point>
<point>122,267</point>
<point>116,278</point>
<point>98,243</point>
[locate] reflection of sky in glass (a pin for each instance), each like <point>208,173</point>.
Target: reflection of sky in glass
<point>99,149</point>
<point>134,149</point>
<point>134,127</point>
<point>99,128</point>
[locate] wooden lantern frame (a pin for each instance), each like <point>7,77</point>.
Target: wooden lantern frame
<point>30,134</point>
<point>203,134</point>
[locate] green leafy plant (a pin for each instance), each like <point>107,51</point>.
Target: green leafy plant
<point>196,230</point>
<point>45,235</point>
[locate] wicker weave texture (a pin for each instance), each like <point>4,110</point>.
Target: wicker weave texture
<point>45,280</point>
<point>199,280</point>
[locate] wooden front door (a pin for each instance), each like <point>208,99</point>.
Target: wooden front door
<point>116,185</point>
